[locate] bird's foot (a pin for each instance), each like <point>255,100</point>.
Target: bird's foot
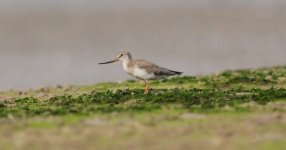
<point>147,91</point>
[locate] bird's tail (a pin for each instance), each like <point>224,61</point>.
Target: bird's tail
<point>176,72</point>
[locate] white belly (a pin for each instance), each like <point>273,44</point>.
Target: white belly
<point>142,74</point>
<point>138,72</point>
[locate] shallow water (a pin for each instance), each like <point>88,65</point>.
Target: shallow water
<point>45,47</point>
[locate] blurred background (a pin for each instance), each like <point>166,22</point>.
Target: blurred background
<point>50,42</point>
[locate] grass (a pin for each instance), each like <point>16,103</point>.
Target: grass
<point>240,109</point>
<point>193,100</point>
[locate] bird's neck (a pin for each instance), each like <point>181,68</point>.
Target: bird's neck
<point>125,64</point>
<point>126,61</point>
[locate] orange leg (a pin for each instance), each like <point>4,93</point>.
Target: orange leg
<point>147,90</point>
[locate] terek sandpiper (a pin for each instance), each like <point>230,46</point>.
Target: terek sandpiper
<point>142,69</point>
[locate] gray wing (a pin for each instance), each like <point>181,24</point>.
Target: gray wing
<point>153,68</point>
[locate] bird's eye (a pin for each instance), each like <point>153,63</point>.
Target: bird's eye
<point>120,55</point>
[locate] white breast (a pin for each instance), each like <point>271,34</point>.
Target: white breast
<point>125,66</point>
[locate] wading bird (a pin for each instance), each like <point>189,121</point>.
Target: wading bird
<point>142,69</point>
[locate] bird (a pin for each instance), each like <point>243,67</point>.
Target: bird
<point>142,69</point>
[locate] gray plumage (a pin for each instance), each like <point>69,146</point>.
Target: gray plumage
<point>153,68</point>
<point>142,69</point>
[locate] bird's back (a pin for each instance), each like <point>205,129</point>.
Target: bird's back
<point>153,68</point>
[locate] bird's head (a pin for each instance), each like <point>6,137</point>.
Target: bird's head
<point>122,56</point>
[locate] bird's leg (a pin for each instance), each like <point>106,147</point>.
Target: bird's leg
<point>147,90</point>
